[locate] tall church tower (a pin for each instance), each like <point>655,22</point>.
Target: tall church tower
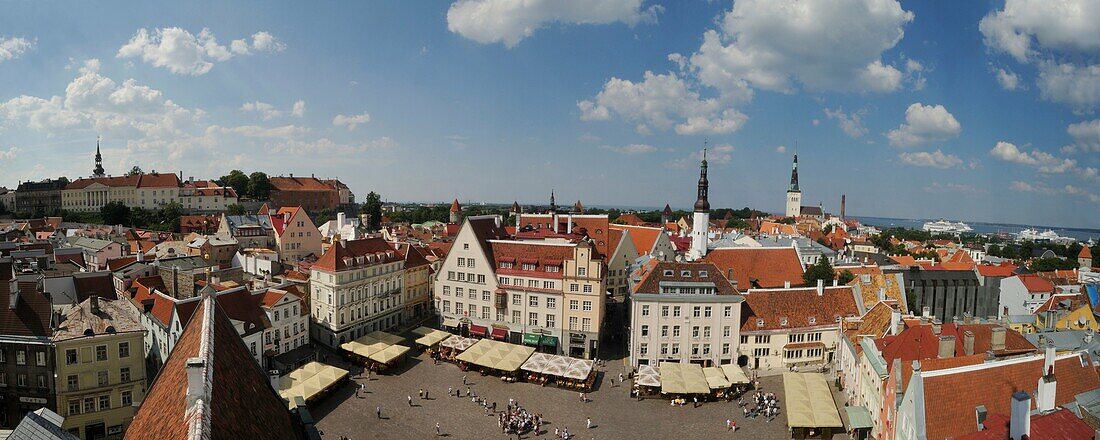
<point>98,170</point>
<point>700,224</point>
<point>794,195</point>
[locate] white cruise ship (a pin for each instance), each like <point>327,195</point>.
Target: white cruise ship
<point>942,226</point>
<point>1047,236</point>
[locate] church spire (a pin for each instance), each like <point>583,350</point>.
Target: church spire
<point>553,206</point>
<point>702,204</point>
<point>98,170</point>
<point>794,176</point>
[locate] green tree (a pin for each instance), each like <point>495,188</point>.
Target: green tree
<point>373,208</point>
<point>821,270</point>
<point>237,180</point>
<point>115,213</point>
<point>846,276</point>
<point>134,171</point>
<point>235,209</point>
<point>259,186</point>
<point>169,217</point>
<point>323,216</point>
<point>1049,264</point>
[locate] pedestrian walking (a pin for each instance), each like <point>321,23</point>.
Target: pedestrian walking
<point>378,411</point>
<point>425,394</point>
<point>588,422</point>
<point>729,424</point>
<point>421,393</point>
<point>464,379</point>
<point>410,401</point>
<point>467,391</point>
<point>438,432</point>
<point>449,390</point>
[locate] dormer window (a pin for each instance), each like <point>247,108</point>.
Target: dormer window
<point>528,266</point>
<point>759,322</point>
<point>813,320</point>
<point>668,272</point>
<point>702,274</point>
<point>783,321</point>
<point>553,269</point>
<point>837,318</point>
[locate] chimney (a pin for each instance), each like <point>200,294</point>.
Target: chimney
<point>842,200</point>
<point>925,312</point>
<point>1048,384</point>
<point>882,294</point>
<point>196,381</point>
<point>937,326</point>
<point>980,414</point>
<point>140,254</point>
<point>340,219</point>
<point>569,224</point>
<point>554,219</point>
<point>786,284</point>
<point>820,287</point>
<point>836,282</point>
<point>93,304</point>
<point>895,322</point>
<point>273,376</point>
<point>947,346</point>
<point>997,338</point>
<point>1019,425</point>
<point>968,342</point>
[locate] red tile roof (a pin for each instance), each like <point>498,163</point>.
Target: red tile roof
<point>540,254</point>
<point>644,237</point>
<point>342,255</point>
<point>651,282</point>
<point>1036,284</point>
<point>596,228</point>
<point>951,395</point>
<point>630,220</point>
<point>116,181</point>
<point>1003,270</point>
<point>158,180</point>
<point>797,306</point>
<point>773,228</point>
<point>455,207</point>
<point>919,342</point>
<point>904,260</point>
<point>1085,252</point>
<point>770,266</point>
<point>1061,424</point>
<point>240,401</point>
<point>31,313</point>
<point>298,184</point>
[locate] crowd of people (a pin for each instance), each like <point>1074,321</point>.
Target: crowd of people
<point>760,405</point>
<point>516,420</point>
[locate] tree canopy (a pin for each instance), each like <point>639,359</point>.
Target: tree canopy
<point>822,270</point>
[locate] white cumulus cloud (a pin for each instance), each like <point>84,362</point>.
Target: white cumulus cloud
<point>935,159</point>
<point>351,122</point>
<point>1042,161</point>
<point>13,47</point>
<point>1007,79</point>
<point>509,22</point>
<point>924,124</point>
<point>268,111</point>
<point>851,123</point>
<point>1060,37</point>
<point>661,101</point>
<point>1086,136</point>
<point>184,53</point>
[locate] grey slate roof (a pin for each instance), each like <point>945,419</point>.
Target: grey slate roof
<point>41,424</point>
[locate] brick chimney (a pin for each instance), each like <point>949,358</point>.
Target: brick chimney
<point>947,346</point>
<point>997,338</point>
<point>820,287</point>
<point>968,342</point>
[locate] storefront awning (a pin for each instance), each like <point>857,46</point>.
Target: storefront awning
<point>531,338</point>
<point>479,330</point>
<point>500,334</point>
<point>735,374</point>
<point>809,401</point>
<point>550,341</point>
<point>450,322</point>
<point>858,417</point>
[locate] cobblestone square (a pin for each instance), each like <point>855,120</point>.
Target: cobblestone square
<point>615,415</point>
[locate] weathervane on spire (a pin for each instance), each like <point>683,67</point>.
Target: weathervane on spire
<point>98,170</point>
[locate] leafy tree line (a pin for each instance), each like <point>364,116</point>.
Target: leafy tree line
<point>117,213</point>
<point>255,186</point>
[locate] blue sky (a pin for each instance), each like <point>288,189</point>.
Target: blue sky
<point>977,111</point>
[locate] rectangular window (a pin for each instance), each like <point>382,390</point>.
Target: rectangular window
<point>21,380</point>
<point>533,301</point>
<point>105,402</point>
<point>484,295</point>
<point>706,312</point>
<point>124,374</point>
<point>100,353</point>
<point>676,331</point>
<point>515,317</point>
<point>446,306</point>
<point>728,311</point>
<point>664,311</point>
<point>533,319</point>
<point>586,324</point>
<point>127,398</point>
<point>695,332</point>
<point>664,331</point>
<point>89,405</point>
<point>725,349</point>
<point>70,356</point>
<point>20,357</point>
<point>645,331</point>
<point>550,321</point>
<point>573,287</point>
<point>587,288</point>
<point>726,333</point>
<point>72,382</point>
<point>74,407</point>
<point>581,271</point>
<point>40,358</point>
<point>645,310</point>
<point>517,299</point>
<point>484,312</point>
<point>551,303</point>
<point>102,378</point>
<point>572,323</point>
<point>124,349</point>
<point>587,306</point>
<point>696,311</point>
<point>676,312</point>
<point>664,349</point>
<point>446,290</point>
<point>480,278</point>
<point>643,349</point>
<point>574,304</point>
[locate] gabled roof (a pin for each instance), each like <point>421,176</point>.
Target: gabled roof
<point>537,253</point>
<point>770,266</point>
<point>630,220</point>
<point>697,272</point>
<point>1036,284</point>
<point>345,254</point>
<point>298,184</point>
<point>237,401</point>
<point>645,237</point>
<point>100,284</point>
<point>951,395</point>
<point>1061,424</point>
<point>413,257</point>
<point>796,307</point>
<point>921,342</point>
<point>158,180</point>
<point>30,315</point>
<point>1002,270</point>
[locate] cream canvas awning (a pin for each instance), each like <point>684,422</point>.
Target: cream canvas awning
<point>810,401</point>
<point>735,374</point>
<point>431,337</point>
<point>496,355</point>
<point>308,381</point>
<point>373,343</point>
<point>458,343</point>
<point>716,379</point>
<point>579,368</point>
<point>677,378</point>
<point>649,376</point>
<point>422,331</point>
<point>390,353</point>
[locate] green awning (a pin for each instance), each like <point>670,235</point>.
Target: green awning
<point>531,338</point>
<point>858,417</point>
<point>550,341</point>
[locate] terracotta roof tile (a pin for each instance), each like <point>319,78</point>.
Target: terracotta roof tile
<point>1003,270</point>
<point>670,271</point>
<point>341,255</point>
<point>770,266</point>
<point>298,184</point>
<point>1061,424</point>
<point>797,307</point>
<point>644,237</point>
<point>1036,284</point>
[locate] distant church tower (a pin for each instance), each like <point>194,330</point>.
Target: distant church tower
<point>700,224</point>
<point>456,212</point>
<point>794,195</point>
<point>98,170</point>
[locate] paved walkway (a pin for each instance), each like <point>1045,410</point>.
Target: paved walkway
<point>614,414</point>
